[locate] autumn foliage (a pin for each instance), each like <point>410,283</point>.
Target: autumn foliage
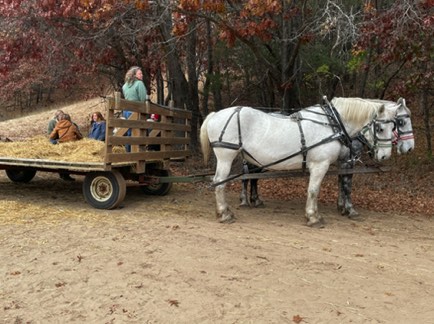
<point>273,53</point>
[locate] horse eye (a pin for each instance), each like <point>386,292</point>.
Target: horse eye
<point>401,122</point>
<point>378,129</point>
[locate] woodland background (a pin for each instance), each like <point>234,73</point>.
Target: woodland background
<point>207,55</point>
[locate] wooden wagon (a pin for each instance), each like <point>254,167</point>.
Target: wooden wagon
<point>153,145</point>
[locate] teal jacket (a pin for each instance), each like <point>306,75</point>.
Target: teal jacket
<point>135,91</point>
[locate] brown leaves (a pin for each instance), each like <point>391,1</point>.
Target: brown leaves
<point>60,284</point>
<point>401,190</point>
<point>297,319</point>
<point>173,302</point>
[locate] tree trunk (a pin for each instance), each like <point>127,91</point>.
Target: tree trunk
<point>177,83</point>
<point>208,76</point>
<point>217,90</point>
<point>160,87</point>
<point>193,92</point>
<point>426,120</point>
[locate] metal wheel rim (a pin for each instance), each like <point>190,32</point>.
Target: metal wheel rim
<point>101,189</point>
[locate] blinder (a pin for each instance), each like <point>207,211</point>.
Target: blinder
<point>374,127</point>
<point>401,121</point>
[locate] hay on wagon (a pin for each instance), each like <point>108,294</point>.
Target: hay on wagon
<point>39,147</point>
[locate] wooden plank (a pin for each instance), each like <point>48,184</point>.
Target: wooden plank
<point>169,111</point>
<point>147,156</point>
<point>147,140</point>
<point>150,108</point>
<point>7,162</point>
<point>143,124</point>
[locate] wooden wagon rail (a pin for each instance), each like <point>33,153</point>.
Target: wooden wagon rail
<point>6,162</point>
<point>171,134</point>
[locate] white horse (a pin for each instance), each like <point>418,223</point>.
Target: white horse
<point>312,137</point>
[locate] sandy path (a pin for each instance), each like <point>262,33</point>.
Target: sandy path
<point>167,260</point>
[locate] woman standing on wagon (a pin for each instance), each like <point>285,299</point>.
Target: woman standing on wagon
<point>134,90</point>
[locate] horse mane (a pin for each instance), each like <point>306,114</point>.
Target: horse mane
<point>357,110</point>
<point>400,104</point>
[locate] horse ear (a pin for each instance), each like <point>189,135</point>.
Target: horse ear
<point>382,109</point>
<point>401,101</point>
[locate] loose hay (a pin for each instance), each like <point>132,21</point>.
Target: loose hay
<point>85,150</point>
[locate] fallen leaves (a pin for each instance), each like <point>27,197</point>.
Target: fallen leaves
<point>173,302</point>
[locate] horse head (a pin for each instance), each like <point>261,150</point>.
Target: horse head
<point>404,138</point>
<point>379,133</point>
<point>373,119</point>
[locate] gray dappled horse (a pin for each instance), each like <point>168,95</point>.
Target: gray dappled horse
<point>313,137</point>
<point>403,139</point>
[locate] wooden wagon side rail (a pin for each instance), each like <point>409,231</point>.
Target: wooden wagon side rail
<point>7,162</point>
<point>150,141</point>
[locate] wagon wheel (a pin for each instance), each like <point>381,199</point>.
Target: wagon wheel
<point>104,190</point>
<point>22,176</point>
<point>159,189</point>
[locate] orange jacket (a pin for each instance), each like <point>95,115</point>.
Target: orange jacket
<point>65,131</point>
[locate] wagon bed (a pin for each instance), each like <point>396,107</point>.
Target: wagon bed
<point>153,145</point>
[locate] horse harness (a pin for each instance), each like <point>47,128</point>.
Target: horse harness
<point>334,121</point>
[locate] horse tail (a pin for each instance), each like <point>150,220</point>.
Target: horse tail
<point>204,139</point>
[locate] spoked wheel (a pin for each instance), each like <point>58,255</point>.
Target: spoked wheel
<point>104,190</point>
<point>22,176</point>
<point>159,189</point>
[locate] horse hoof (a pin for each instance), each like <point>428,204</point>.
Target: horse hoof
<point>316,224</point>
<point>356,218</point>
<point>352,214</point>
<point>227,220</point>
<point>244,205</point>
<point>259,203</point>
<point>226,217</point>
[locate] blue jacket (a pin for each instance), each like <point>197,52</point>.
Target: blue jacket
<point>98,131</point>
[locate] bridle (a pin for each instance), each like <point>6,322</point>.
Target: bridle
<point>372,128</point>
<point>400,135</point>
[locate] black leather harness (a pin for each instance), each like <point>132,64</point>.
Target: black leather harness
<point>339,133</point>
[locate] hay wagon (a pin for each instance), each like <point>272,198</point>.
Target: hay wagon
<point>105,182</point>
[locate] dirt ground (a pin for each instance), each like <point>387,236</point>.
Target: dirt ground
<point>167,260</point>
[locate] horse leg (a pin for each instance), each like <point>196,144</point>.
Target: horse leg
<point>317,173</point>
<point>222,208</point>
<point>243,196</point>
<point>345,184</point>
<point>254,196</point>
<point>341,195</point>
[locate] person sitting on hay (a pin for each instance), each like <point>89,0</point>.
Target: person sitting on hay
<point>65,131</point>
